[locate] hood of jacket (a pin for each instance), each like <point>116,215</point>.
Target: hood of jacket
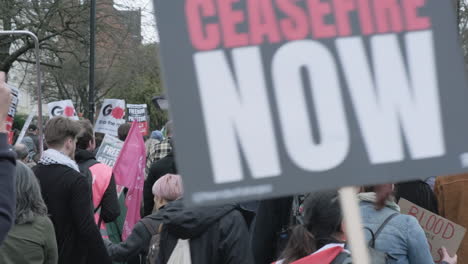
<point>371,197</point>
<point>82,155</point>
<point>188,223</point>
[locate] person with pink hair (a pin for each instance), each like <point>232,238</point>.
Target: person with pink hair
<point>166,189</point>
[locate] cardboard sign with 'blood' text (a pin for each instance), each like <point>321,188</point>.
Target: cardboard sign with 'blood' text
<point>440,232</point>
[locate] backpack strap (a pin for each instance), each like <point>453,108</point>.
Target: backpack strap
<point>382,226</point>
<point>150,226</point>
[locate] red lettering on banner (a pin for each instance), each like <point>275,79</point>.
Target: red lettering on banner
<point>342,10</point>
<point>429,220</point>
<point>440,256</point>
<point>203,37</point>
<point>262,22</point>
<point>388,16</point>
<point>230,19</point>
<point>441,222</point>
<point>421,217</point>
<point>449,231</point>
<point>413,211</point>
<point>367,24</point>
<point>295,25</point>
<point>316,19</point>
<point>413,20</point>
<point>318,11</point>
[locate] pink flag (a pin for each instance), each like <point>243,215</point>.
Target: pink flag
<point>129,171</point>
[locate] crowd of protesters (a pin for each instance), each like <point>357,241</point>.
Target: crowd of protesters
<point>54,208</point>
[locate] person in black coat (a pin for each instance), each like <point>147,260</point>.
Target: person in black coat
<point>160,168</point>
<point>167,189</point>
<point>7,166</point>
<point>86,143</point>
<point>217,234</point>
<point>273,217</point>
<point>67,196</point>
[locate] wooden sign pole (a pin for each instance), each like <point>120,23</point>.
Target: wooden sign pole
<point>354,230</point>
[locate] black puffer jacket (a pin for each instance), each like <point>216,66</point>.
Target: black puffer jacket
<point>218,235</point>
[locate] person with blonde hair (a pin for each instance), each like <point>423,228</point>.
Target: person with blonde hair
<point>166,189</point>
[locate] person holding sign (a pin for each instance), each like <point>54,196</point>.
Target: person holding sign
<point>402,238</point>
<point>323,238</point>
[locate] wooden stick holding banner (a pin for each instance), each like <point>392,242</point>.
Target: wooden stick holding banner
<point>25,127</point>
<point>38,78</point>
<point>354,232</point>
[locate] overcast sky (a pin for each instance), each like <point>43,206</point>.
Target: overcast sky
<point>147,22</point>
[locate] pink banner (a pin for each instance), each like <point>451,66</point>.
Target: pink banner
<point>129,172</point>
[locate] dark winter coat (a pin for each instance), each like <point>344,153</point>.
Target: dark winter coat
<point>273,216</point>
<point>7,187</point>
<point>66,194</point>
<point>158,169</point>
<point>110,208</point>
<point>419,193</point>
<point>218,235</point>
<point>137,243</point>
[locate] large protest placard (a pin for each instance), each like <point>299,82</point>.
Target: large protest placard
<point>109,150</point>
<point>62,108</point>
<point>110,117</point>
<point>12,112</point>
<point>440,232</point>
<point>139,113</point>
<point>276,97</point>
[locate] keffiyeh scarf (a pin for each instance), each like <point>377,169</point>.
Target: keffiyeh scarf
<point>52,156</point>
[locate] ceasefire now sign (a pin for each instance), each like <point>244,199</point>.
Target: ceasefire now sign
<point>274,97</point>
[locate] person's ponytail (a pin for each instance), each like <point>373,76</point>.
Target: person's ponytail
<point>301,244</point>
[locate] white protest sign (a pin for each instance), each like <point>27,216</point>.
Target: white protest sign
<point>12,112</point>
<point>440,232</point>
<point>109,150</point>
<point>26,126</point>
<point>139,113</point>
<point>62,108</point>
<point>110,117</point>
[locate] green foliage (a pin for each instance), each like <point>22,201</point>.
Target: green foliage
<point>141,81</point>
<point>19,121</point>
